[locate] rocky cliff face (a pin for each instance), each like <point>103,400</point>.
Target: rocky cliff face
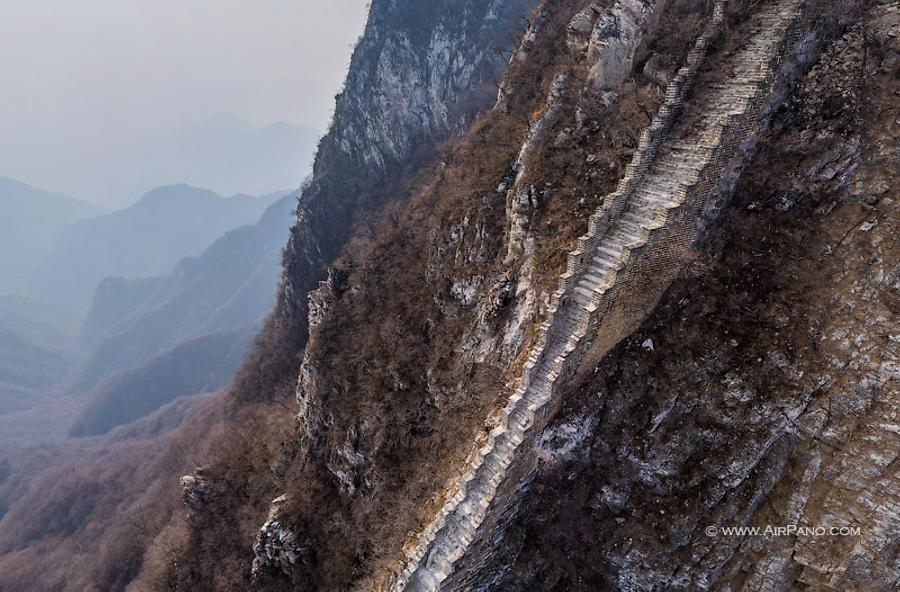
<point>419,75</point>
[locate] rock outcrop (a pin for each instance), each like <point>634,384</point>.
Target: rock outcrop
<point>615,38</point>
<point>195,490</point>
<point>276,546</point>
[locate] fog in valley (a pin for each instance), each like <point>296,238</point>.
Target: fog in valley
<point>150,156</point>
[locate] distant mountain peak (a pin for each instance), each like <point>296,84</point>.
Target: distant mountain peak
<point>220,121</point>
<point>14,189</point>
<point>145,239</point>
<point>30,221</point>
<point>179,192</point>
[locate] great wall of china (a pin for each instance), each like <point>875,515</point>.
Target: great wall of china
<point>631,253</point>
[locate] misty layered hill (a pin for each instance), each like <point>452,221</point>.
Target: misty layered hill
<point>146,239</point>
<point>230,286</point>
<point>27,370</point>
<point>114,299</point>
<point>222,153</point>
<point>225,154</point>
<point>31,221</point>
<point>199,365</point>
<point>39,320</point>
<point>34,354</point>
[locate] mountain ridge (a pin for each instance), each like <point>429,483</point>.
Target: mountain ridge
<point>128,242</point>
<point>32,219</point>
<point>230,285</point>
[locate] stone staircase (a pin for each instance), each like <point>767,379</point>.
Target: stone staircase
<point>654,210</point>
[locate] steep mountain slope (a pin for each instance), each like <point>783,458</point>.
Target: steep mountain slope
<point>454,281</point>
<point>418,75</point>
<point>614,277</point>
<point>30,222</point>
<point>431,280</point>
<point>758,392</point>
<point>230,286</point>
<point>129,242</point>
<point>363,409</point>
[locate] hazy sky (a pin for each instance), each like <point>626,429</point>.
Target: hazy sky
<point>79,78</point>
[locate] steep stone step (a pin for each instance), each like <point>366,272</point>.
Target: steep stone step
<point>641,220</point>
<point>676,168</point>
<point>587,293</point>
<point>595,282</point>
<point>663,183</point>
<point>611,252</point>
<point>654,197</point>
<point>631,230</point>
<point>604,262</point>
<point>619,241</point>
<point>657,203</point>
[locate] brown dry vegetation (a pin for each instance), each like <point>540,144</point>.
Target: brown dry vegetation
<point>80,515</point>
